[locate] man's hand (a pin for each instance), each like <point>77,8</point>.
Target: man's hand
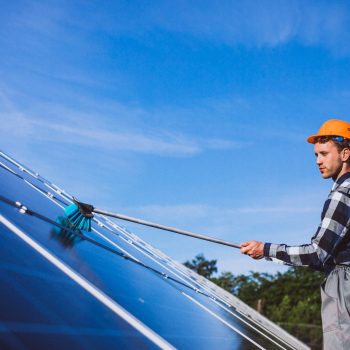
<point>253,248</point>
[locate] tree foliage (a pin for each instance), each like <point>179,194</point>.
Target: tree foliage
<point>290,299</point>
<point>202,266</point>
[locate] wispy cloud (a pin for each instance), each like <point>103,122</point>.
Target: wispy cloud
<point>183,212</point>
<point>263,23</point>
<point>266,23</point>
<point>224,220</point>
<point>235,224</point>
<point>81,128</point>
<point>198,212</point>
<point>135,141</point>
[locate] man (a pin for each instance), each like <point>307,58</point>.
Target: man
<point>329,250</point>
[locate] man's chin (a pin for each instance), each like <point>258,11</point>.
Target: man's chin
<point>325,176</point>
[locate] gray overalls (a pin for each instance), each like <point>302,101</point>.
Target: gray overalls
<point>335,294</point>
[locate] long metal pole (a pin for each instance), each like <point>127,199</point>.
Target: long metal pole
<point>166,228</point>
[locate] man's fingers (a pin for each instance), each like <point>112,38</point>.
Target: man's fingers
<point>246,247</point>
<point>253,249</point>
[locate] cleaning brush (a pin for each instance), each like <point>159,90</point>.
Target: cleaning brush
<point>80,215</point>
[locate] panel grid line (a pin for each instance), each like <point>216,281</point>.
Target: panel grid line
<point>90,288</point>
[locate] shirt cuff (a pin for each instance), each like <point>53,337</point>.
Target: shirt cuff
<point>270,250</point>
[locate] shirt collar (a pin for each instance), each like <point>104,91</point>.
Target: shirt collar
<point>343,178</point>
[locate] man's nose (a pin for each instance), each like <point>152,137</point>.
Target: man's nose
<point>318,160</point>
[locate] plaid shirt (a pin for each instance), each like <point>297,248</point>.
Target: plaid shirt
<point>331,243</point>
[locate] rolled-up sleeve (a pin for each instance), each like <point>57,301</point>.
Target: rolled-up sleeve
<point>334,227</point>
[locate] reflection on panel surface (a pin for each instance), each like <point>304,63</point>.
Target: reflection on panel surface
<point>41,307</point>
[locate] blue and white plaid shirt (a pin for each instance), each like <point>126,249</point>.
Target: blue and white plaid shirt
<point>331,243</point>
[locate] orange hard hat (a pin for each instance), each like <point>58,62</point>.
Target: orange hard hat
<point>332,127</point>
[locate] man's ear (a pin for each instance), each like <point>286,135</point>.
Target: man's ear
<point>345,154</point>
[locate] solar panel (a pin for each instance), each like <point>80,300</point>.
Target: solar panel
<point>106,288</point>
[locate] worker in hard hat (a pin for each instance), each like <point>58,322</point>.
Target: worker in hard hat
<point>329,250</point>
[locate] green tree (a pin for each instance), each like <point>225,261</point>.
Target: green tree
<point>290,299</point>
<point>202,266</point>
<point>225,281</point>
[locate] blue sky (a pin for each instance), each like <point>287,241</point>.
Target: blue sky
<point>191,114</point>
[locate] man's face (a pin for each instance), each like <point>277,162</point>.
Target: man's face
<point>328,159</point>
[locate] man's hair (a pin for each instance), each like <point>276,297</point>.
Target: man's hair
<point>340,145</point>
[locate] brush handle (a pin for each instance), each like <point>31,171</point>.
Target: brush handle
<point>166,228</point>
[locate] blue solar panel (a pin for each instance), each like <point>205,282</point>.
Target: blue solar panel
<point>106,288</point>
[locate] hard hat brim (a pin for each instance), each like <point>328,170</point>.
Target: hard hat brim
<point>312,139</point>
